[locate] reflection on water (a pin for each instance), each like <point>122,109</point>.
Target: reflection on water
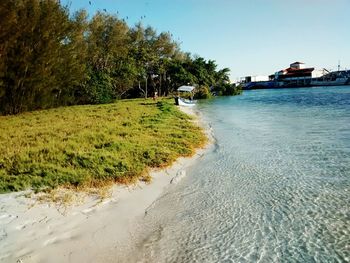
<point>276,188</point>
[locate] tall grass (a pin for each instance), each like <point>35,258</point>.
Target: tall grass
<point>82,146</point>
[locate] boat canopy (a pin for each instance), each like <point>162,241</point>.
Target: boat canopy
<point>186,88</point>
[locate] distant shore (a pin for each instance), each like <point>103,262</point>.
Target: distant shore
<point>90,231</point>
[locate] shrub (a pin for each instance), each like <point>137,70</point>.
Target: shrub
<point>99,89</point>
<point>202,92</point>
<point>227,89</point>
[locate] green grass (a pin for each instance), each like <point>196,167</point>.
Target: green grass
<point>90,146</point>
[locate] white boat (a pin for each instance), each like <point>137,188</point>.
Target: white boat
<point>182,101</point>
<point>185,102</point>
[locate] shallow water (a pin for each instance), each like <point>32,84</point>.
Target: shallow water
<point>275,188</point>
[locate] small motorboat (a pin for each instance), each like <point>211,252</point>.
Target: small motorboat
<point>182,101</point>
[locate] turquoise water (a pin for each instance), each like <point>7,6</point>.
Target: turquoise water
<point>275,187</point>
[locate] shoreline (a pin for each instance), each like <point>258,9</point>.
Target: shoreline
<point>86,232</point>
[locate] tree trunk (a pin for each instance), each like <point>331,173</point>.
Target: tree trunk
<point>144,92</point>
<point>160,85</point>
<point>146,88</point>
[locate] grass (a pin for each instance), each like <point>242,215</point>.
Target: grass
<point>93,145</point>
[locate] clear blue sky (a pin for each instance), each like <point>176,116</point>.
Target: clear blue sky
<point>251,37</point>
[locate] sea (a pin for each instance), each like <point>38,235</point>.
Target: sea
<point>274,187</point>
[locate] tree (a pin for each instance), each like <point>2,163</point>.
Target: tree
<point>49,58</point>
<point>36,55</point>
<point>165,49</point>
<point>75,57</point>
<point>107,40</point>
<point>144,54</point>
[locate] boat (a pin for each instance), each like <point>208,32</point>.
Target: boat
<point>182,101</point>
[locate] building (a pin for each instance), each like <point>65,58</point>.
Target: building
<point>297,65</point>
<point>296,70</point>
<point>297,75</point>
<point>254,79</point>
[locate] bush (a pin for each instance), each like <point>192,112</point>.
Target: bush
<point>99,89</point>
<point>202,92</point>
<point>226,89</point>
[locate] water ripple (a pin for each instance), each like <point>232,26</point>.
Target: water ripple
<point>276,188</point>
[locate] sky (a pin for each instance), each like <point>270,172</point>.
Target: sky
<point>250,37</point>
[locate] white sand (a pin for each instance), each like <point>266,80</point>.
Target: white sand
<point>40,232</point>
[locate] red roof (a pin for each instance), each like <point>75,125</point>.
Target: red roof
<point>293,71</point>
<point>298,69</point>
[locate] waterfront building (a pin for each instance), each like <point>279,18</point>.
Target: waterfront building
<point>297,75</point>
<point>296,70</point>
<point>254,78</point>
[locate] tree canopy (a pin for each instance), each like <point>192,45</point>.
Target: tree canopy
<point>49,58</point>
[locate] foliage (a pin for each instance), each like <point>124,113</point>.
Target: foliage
<point>226,89</point>
<point>89,145</point>
<point>99,88</point>
<point>202,92</point>
<point>39,56</point>
<point>50,58</point>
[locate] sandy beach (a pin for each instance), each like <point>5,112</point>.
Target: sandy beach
<point>91,230</point>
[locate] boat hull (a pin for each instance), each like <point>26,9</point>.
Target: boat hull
<point>184,102</point>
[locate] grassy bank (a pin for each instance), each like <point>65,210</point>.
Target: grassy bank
<point>83,146</point>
